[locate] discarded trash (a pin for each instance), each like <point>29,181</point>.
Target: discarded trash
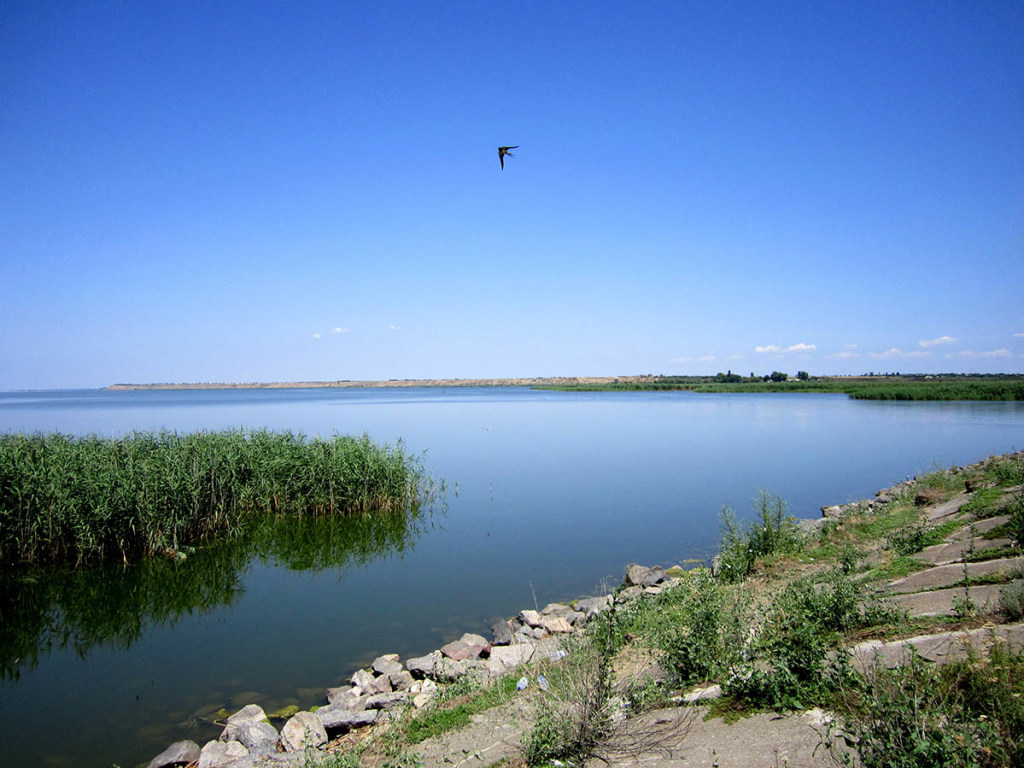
<point>558,655</point>
<point>543,682</point>
<point>521,685</point>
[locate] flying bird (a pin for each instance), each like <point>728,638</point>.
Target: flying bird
<point>502,151</point>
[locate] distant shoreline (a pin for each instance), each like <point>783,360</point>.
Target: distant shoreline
<point>395,383</point>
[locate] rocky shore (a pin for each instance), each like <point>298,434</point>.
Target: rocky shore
<point>389,686</point>
<point>249,739</point>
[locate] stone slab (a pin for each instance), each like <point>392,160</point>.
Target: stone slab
<point>954,551</point>
<point>947,508</point>
<point>953,573</point>
<point>940,601</point>
<point>938,648</point>
<point>980,527</point>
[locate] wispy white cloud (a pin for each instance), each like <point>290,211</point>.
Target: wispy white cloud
<point>942,340</point>
<point>895,353</point>
<point>316,335</point>
<point>1018,335</point>
<point>767,348</point>
<point>394,327</point>
<point>341,330</point>
<point>1002,352</point>
<point>844,355</point>
<point>802,348</point>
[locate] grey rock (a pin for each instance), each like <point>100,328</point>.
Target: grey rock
<point>460,651</point>
<point>530,618</point>
<point>335,718</point>
<point>592,606</point>
<point>437,667</point>
<point>654,577</point>
<point>502,632</point>
<point>555,624</point>
<point>402,681</point>
<point>423,666</point>
<point>179,753</point>
<point>216,754</point>
<point>635,574</point>
<point>386,700</point>
<point>333,694</point>
<point>832,512</point>
<point>379,684</point>
<point>258,737</point>
<point>347,698</point>
<point>251,713</point>
<point>508,657</point>
<point>362,678</point>
<point>387,664</point>
<point>303,731</point>
<point>556,609</point>
<point>629,593</point>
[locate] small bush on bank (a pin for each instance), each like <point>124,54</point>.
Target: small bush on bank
<point>966,715</point>
<point>702,628</point>
<point>772,532</point>
<point>793,661</point>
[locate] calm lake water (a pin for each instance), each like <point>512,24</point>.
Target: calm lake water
<point>550,496</point>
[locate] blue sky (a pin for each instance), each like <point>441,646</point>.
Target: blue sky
<point>243,191</point>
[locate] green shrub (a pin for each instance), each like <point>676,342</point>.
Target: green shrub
<point>772,532</point>
<point>794,660</point>
<point>1011,600</point>
<point>701,628</point>
<point>965,715</point>
<point>574,715</point>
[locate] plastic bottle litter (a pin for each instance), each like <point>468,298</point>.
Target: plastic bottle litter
<point>561,654</point>
<point>543,682</point>
<point>521,685</point>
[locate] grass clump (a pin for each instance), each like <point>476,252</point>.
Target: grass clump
<point>968,714</point>
<point>791,663</point>
<point>700,628</point>
<point>77,499</point>
<point>577,714</point>
<point>456,706</point>
<point>772,532</point>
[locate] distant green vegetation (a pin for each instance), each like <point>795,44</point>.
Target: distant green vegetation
<point>880,387</point>
<point>94,499</point>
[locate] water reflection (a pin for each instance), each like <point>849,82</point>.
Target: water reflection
<point>49,609</point>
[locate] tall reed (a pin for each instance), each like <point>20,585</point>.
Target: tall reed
<point>65,498</point>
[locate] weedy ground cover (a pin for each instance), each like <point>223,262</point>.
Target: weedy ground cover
<point>75,499</point>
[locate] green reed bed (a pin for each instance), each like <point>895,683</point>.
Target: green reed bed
<point>65,498</point>
<point>906,387</point>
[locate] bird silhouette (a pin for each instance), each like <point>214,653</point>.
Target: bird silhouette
<point>502,151</point>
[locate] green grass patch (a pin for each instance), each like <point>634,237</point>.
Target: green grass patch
<point>897,568</point>
<point>986,502</point>
<point>456,713</point>
<point>877,526</point>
